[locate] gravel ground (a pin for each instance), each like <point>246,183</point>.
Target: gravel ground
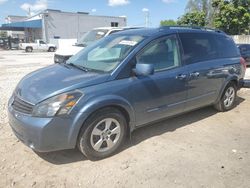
<point>198,149</point>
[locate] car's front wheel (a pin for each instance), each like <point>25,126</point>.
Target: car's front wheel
<point>228,98</point>
<point>102,134</point>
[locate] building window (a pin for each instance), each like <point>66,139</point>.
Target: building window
<point>114,24</point>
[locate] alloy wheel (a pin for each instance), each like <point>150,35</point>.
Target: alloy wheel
<point>105,134</point>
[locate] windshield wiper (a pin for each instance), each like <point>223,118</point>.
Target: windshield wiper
<point>79,67</point>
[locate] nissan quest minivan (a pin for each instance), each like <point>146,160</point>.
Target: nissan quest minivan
<point>124,81</point>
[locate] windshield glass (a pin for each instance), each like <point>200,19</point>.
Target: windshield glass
<point>107,54</point>
<point>92,36</point>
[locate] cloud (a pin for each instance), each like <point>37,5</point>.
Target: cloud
<point>39,5</point>
<point>93,10</point>
<point>145,10</point>
<point>168,1</point>
<point>3,1</point>
<point>113,3</point>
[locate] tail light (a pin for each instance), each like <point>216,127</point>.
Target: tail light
<point>243,62</point>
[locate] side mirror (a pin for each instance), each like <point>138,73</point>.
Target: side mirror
<point>144,69</point>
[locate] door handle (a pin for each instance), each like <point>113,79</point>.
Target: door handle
<point>181,76</point>
<point>195,74</point>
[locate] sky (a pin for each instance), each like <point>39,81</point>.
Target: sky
<point>134,10</point>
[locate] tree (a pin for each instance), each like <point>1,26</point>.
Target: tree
<point>193,18</point>
<point>3,34</point>
<point>204,6</point>
<point>198,12</point>
<point>232,16</point>
<point>168,22</point>
<point>198,5</point>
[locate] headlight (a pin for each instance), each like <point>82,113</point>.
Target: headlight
<point>57,105</point>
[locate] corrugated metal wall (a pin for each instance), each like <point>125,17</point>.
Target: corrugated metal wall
<point>71,25</point>
<point>241,39</point>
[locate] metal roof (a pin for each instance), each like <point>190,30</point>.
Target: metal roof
<point>20,26</point>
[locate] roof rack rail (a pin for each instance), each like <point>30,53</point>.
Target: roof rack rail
<point>191,27</point>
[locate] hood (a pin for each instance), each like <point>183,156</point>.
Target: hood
<point>69,51</point>
<point>55,79</point>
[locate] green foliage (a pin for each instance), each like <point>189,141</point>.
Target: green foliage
<point>198,5</point>
<point>233,16</point>
<point>168,22</point>
<point>3,34</point>
<point>193,18</point>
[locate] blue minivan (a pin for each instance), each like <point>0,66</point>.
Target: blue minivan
<point>124,81</point>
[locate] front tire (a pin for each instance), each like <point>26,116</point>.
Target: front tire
<point>102,134</point>
<point>228,98</point>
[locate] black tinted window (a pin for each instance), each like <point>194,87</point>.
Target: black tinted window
<point>244,49</point>
<point>226,46</point>
<point>41,42</point>
<point>198,47</point>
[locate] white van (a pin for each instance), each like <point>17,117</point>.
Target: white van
<point>65,52</point>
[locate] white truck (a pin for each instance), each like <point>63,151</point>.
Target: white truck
<point>65,52</point>
<point>38,45</point>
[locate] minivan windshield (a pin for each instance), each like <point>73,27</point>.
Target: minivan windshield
<point>105,55</point>
<point>91,36</point>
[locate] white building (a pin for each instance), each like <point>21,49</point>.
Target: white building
<point>56,24</point>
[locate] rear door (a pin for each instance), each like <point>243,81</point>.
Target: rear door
<point>164,93</point>
<point>204,68</point>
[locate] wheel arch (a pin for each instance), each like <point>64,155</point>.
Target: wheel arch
<point>233,79</point>
<point>91,108</point>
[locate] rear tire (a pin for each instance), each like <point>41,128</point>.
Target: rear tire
<point>51,49</point>
<point>228,98</point>
<point>102,134</point>
<point>28,49</point>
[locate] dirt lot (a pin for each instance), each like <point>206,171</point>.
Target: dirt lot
<point>198,149</point>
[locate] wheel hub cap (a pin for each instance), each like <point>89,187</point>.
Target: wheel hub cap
<point>105,134</point>
<point>229,97</point>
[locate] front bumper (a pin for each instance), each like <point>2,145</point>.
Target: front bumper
<point>42,134</point>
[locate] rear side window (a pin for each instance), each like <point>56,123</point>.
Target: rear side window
<point>226,46</point>
<point>198,47</point>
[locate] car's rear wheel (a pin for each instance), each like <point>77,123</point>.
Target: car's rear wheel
<point>52,49</point>
<point>102,134</point>
<point>228,98</point>
<point>28,49</point>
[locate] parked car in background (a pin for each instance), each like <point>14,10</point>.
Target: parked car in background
<point>4,43</point>
<point>65,52</point>
<point>245,52</point>
<point>124,81</point>
<point>8,43</point>
<point>38,45</point>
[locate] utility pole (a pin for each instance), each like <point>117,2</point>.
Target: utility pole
<point>146,12</point>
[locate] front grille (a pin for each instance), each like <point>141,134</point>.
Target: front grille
<point>21,106</point>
